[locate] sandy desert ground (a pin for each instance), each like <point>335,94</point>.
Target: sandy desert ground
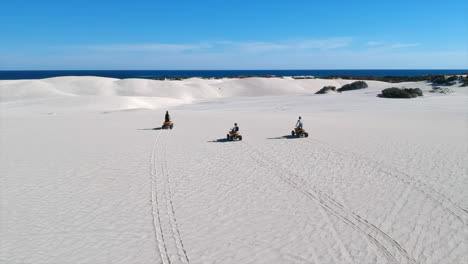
<point>87,176</point>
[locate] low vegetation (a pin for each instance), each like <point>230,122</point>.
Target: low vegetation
<point>353,86</point>
<point>443,80</point>
<point>397,79</point>
<point>327,89</point>
<point>302,77</point>
<point>390,79</point>
<point>401,92</point>
<point>463,80</point>
<point>438,89</point>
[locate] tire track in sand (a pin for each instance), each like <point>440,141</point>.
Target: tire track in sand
<point>165,224</point>
<point>155,210</point>
<point>436,196</point>
<point>170,207</point>
<point>228,151</point>
<point>390,248</point>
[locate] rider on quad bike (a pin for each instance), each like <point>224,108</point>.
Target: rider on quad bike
<point>167,121</point>
<point>234,133</point>
<point>298,130</point>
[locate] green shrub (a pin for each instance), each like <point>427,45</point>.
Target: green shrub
<point>464,80</point>
<point>438,89</point>
<point>452,78</point>
<point>326,89</point>
<point>438,79</point>
<point>441,80</point>
<point>401,93</point>
<point>395,93</point>
<point>353,86</point>
<point>416,91</point>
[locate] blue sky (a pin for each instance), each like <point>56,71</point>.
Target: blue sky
<point>208,34</point>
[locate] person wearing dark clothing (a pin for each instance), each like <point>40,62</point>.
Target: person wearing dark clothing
<point>167,118</point>
<point>235,129</point>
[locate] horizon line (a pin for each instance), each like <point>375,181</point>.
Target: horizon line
<point>361,69</point>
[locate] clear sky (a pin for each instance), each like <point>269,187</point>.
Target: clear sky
<point>237,34</point>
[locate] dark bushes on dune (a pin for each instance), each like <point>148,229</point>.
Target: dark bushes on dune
<point>353,86</point>
<point>441,80</point>
<point>302,77</point>
<point>452,78</point>
<point>395,93</point>
<point>438,79</point>
<point>464,80</point>
<point>401,92</point>
<point>390,79</point>
<point>435,79</point>
<point>438,89</point>
<point>415,91</point>
<point>326,89</point>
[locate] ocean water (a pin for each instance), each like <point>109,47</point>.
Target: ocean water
<point>123,74</point>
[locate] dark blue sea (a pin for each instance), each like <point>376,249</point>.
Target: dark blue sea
<point>123,74</point>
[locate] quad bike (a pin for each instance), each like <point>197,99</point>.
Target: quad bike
<point>167,125</point>
<point>233,136</point>
<point>299,132</point>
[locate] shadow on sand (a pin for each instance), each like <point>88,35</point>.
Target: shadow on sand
<point>220,140</point>
<point>284,137</point>
<point>155,128</point>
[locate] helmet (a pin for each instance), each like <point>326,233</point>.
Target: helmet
<point>299,117</point>
<point>235,124</point>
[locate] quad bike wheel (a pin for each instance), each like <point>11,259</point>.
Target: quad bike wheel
<point>171,126</point>
<point>240,138</point>
<point>293,133</point>
<point>306,134</point>
<point>228,137</point>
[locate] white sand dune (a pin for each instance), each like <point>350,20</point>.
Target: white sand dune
<point>86,179</point>
<point>141,93</point>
